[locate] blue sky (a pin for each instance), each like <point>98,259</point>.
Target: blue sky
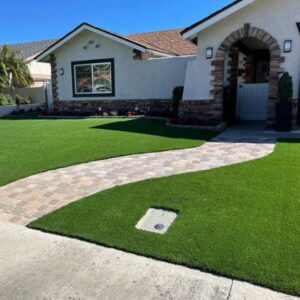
<point>31,20</point>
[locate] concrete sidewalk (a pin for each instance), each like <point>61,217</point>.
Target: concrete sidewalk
<point>36,265</point>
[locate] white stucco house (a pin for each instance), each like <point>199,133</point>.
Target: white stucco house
<point>229,64</point>
<point>40,71</point>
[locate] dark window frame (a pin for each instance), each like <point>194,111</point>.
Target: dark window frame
<point>86,62</point>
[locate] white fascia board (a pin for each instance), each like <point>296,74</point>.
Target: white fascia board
<point>191,34</point>
<point>95,30</point>
<point>159,53</point>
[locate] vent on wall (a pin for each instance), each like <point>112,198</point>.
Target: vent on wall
<point>298,25</point>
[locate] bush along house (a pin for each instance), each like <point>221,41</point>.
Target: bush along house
<point>229,64</point>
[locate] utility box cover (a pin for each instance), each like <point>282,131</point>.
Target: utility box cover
<point>157,220</point>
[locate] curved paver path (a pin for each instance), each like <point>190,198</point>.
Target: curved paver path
<point>28,199</point>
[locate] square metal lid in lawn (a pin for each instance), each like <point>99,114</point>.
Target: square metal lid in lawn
<point>157,220</point>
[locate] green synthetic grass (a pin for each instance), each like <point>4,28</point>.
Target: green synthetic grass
<point>29,145</point>
<point>241,221</point>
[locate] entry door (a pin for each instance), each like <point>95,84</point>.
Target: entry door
<point>252,100</point>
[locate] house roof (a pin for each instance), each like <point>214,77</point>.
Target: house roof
<point>169,41</point>
<point>164,43</point>
<point>191,31</point>
<point>31,49</point>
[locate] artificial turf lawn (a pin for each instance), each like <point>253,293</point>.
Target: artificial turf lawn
<point>240,221</point>
<point>29,145</point>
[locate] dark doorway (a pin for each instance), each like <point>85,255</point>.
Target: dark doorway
<point>247,66</point>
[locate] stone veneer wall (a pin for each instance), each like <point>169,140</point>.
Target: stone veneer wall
<point>160,107</point>
<point>199,109</point>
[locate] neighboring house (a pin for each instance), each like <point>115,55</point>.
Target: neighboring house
<point>40,72</point>
<point>241,52</point>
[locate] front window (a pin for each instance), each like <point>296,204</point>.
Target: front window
<point>93,78</point>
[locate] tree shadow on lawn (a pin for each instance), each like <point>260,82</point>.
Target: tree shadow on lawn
<point>37,116</point>
<point>20,117</point>
<point>156,128</point>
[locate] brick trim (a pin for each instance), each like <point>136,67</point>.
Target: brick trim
<point>275,66</point>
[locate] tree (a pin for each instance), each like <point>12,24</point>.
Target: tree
<point>13,70</point>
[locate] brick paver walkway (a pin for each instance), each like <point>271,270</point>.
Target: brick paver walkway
<point>30,198</point>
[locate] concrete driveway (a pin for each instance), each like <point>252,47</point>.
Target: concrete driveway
<point>36,265</point>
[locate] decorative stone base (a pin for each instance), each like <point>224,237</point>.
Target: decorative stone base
<point>154,107</point>
<point>200,109</point>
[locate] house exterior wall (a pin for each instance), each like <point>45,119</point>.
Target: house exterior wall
<point>273,16</point>
<point>40,72</point>
<point>134,79</point>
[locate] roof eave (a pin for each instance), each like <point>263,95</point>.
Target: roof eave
<point>191,32</point>
<point>157,53</point>
<point>44,56</point>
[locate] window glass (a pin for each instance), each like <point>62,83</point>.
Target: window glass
<point>102,78</point>
<point>94,78</point>
<point>84,79</point>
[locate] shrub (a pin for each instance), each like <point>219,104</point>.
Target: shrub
<point>285,88</point>
<point>6,100</point>
<point>177,97</point>
<point>22,100</point>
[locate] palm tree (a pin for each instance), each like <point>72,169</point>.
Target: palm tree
<point>13,70</point>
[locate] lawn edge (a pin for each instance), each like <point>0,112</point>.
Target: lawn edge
<point>170,261</point>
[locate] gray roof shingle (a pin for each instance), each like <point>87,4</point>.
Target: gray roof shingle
<point>27,50</point>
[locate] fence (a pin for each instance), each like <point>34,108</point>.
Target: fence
<point>37,95</point>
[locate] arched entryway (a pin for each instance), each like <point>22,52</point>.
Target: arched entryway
<point>260,56</point>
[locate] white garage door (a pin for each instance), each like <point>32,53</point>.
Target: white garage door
<point>252,100</point>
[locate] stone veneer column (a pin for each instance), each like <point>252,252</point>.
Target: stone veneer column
<point>54,78</point>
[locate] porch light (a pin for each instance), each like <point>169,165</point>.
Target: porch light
<point>61,71</point>
<point>209,52</point>
<point>288,44</point>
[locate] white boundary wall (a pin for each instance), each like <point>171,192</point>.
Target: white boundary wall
<point>7,110</point>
